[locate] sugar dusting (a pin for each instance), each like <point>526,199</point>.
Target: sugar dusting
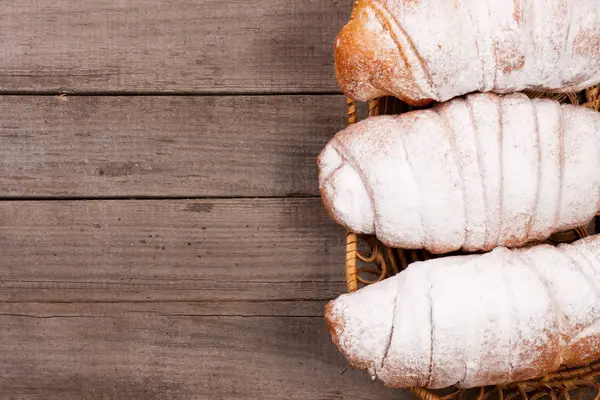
<point>525,312</point>
<point>520,168</point>
<point>366,322</point>
<point>430,50</point>
<point>476,174</point>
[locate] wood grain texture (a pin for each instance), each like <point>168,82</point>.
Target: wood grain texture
<point>193,146</point>
<point>163,299</point>
<point>185,250</point>
<point>200,46</point>
<point>149,357</point>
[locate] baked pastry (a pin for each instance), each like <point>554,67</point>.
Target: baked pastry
<point>427,50</point>
<point>504,316</point>
<point>471,174</point>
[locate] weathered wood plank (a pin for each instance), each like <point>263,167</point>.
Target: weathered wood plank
<point>182,299</point>
<point>164,146</point>
<point>177,45</point>
<point>169,251</point>
<point>150,357</point>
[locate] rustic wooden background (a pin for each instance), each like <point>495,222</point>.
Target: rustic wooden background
<point>161,234</point>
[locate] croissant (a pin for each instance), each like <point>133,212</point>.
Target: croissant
<point>505,316</point>
<point>425,50</point>
<point>472,173</point>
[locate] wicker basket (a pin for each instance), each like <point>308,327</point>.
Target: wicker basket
<point>369,261</point>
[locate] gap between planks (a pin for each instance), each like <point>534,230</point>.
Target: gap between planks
<point>116,93</point>
<point>142,197</point>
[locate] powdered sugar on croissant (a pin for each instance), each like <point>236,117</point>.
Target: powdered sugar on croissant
<point>473,173</point>
<point>520,315</point>
<point>424,50</point>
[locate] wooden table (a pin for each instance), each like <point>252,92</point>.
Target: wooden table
<point>161,232</point>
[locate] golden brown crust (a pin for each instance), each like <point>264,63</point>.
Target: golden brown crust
<point>582,352</point>
<point>350,69</point>
<point>544,359</point>
<point>364,66</point>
